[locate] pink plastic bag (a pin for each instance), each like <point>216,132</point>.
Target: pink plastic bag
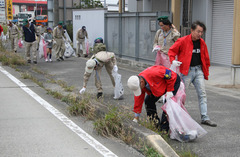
<point>45,49</point>
<point>182,127</point>
<point>42,48</point>
<point>87,47</point>
<point>20,45</point>
<point>162,59</point>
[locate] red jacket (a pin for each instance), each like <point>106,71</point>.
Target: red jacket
<point>1,29</point>
<point>160,80</point>
<point>183,48</point>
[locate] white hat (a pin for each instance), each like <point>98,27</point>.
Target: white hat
<point>90,64</point>
<point>134,84</point>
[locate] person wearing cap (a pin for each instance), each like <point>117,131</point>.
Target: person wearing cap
<point>13,35</point>
<point>96,62</point>
<point>80,37</point>
<point>29,31</point>
<point>194,63</point>
<point>164,39</point>
<point>41,30</point>
<point>48,38</point>
<point>58,34</point>
<point>154,81</point>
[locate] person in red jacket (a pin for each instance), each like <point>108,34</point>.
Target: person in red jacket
<point>194,63</point>
<point>154,81</point>
<point>1,30</point>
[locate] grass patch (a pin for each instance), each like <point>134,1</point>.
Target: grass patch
<point>82,107</point>
<point>64,85</point>
<point>55,94</point>
<point>10,59</point>
<point>26,75</point>
<point>110,125</point>
<point>150,152</point>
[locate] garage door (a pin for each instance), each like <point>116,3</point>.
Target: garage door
<point>222,30</point>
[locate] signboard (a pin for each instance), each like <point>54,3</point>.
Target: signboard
<point>9,9</point>
<point>2,15</point>
<point>2,3</point>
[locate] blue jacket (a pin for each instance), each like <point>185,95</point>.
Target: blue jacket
<point>29,33</point>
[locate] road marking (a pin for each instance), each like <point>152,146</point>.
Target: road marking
<point>70,124</point>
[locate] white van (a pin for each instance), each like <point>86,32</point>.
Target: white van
<point>25,15</point>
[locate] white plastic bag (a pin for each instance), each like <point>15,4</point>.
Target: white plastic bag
<point>69,50</point>
<point>42,48</point>
<point>182,127</point>
<point>118,90</point>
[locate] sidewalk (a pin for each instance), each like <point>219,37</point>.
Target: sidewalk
<point>223,105</point>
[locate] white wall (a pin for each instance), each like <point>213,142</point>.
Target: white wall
<point>94,22</point>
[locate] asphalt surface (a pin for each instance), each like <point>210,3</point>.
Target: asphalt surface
<point>223,103</point>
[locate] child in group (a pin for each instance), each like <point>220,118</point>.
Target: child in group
<point>49,40</point>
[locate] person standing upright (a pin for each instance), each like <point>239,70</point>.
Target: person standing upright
<point>29,34</point>
<point>13,35</point>
<point>164,39</point>
<point>194,62</point>
<point>49,39</point>
<point>81,35</point>
<point>58,34</point>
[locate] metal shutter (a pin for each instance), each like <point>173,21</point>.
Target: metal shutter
<point>222,31</point>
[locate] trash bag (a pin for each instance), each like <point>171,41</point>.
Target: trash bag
<point>69,52</point>
<point>87,47</point>
<point>20,45</point>
<point>42,48</point>
<point>4,38</point>
<point>182,127</point>
<point>118,90</point>
<point>162,59</point>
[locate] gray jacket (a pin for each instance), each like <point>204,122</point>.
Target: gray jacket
<point>48,38</point>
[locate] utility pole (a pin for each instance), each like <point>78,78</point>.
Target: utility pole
<point>56,12</point>
<point>64,12</point>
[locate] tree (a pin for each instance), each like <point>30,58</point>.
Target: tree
<point>84,4</point>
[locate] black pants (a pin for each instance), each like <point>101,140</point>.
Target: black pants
<point>150,105</point>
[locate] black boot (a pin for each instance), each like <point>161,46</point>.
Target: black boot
<point>99,94</point>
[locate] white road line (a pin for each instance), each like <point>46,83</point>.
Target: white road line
<point>70,124</point>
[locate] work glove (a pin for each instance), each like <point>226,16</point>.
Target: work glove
<point>169,95</point>
<point>49,41</point>
<point>115,68</point>
<point>54,42</point>
<point>77,42</point>
<point>176,63</point>
<point>82,90</point>
<point>156,48</point>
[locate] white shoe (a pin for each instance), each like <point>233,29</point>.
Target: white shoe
<point>50,60</point>
<point>46,60</point>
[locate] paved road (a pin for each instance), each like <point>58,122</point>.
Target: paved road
<point>31,126</point>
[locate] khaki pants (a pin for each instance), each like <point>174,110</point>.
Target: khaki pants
<point>81,42</point>
<point>59,48</point>
<point>14,42</point>
<point>38,41</point>
<point>32,46</point>
<point>109,67</point>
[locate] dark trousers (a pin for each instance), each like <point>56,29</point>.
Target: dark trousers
<point>150,105</point>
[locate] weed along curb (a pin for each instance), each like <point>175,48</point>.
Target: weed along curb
<point>153,139</point>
